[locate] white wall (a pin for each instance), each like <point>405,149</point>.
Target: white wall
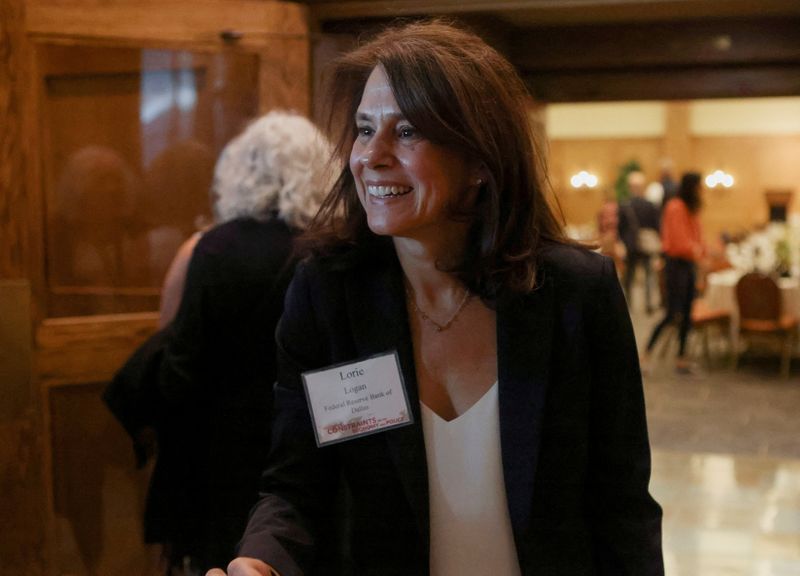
<point>751,116</point>
<point>722,117</point>
<point>606,120</point>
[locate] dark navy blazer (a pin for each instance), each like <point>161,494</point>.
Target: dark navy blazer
<point>575,450</point>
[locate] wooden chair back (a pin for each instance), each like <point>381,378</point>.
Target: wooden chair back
<point>758,297</point>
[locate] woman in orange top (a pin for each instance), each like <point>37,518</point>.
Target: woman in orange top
<point>681,242</point>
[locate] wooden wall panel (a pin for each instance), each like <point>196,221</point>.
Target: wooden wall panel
<point>781,79</point>
<point>74,350</point>
<point>13,79</point>
<point>659,44</point>
<point>611,53</point>
<point>63,522</point>
<point>325,49</point>
<point>98,515</point>
<point>132,138</point>
<point>602,157</point>
<point>95,522</point>
<point>285,75</point>
<point>23,511</point>
<point>24,544</point>
<point>23,548</point>
<point>757,163</point>
<point>166,21</point>
<point>677,140</point>
<point>554,12</point>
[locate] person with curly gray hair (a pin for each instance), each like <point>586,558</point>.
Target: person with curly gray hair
<point>273,169</point>
<point>277,167</point>
<point>219,363</point>
<point>215,361</point>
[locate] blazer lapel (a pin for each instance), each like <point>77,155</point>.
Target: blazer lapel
<point>376,305</point>
<point>524,338</point>
<point>379,320</point>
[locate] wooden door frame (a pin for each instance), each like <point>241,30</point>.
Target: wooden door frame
<point>89,349</point>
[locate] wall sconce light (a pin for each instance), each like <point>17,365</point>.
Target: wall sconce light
<point>583,179</point>
<point>719,178</point>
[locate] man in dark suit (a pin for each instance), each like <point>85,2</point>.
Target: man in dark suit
<point>636,215</point>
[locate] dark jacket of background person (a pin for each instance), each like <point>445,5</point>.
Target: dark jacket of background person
<point>574,443</point>
<point>645,215</point>
<point>205,381</point>
<point>216,376</point>
<point>215,363</point>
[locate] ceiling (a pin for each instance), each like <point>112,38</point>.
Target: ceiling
<point>589,50</point>
<point>550,12</point>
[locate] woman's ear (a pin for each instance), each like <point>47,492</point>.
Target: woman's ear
<point>479,175</point>
<point>477,180</point>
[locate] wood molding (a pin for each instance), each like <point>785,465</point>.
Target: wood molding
<point>550,11</point>
<point>25,548</point>
<point>665,84</point>
<point>693,43</point>
<point>677,144</point>
<point>712,58</point>
<point>13,186</point>
<point>285,75</point>
<point>342,10</point>
<point>88,349</point>
<point>201,21</point>
<point>34,121</point>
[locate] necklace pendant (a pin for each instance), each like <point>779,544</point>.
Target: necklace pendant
<point>438,327</point>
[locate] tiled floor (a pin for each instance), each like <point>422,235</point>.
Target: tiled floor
<point>749,412</point>
<point>726,467</point>
<point>728,515</point>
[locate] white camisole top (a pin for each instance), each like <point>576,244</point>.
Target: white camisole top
<point>469,521</point>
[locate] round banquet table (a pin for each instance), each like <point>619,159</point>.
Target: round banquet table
<point>720,294</point>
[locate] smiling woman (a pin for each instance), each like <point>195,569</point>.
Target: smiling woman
<point>464,103</point>
<point>407,185</point>
<point>525,450</point>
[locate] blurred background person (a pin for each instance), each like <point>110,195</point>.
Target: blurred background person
<point>608,231</point>
<point>661,191</point>
<point>94,238</point>
<point>681,239</point>
<point>639,231</point>
<point>175,279</point>
<point>176,204</point>
<point>205,381</point>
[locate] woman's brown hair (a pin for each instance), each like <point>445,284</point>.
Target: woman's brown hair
<point>463,95</point>
<point>689,191</point>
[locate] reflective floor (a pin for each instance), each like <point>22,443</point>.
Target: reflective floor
<point>728,515</point>
<point>726,464</point>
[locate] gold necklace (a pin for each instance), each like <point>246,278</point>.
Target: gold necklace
<point>439,327</point>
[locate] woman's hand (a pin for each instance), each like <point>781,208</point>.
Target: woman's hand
<point>245,567</point>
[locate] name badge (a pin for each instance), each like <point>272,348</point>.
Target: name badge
<point>357,398</point>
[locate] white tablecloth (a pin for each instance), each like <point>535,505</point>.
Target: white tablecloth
<point>721,295</point>
<point>721,292</point>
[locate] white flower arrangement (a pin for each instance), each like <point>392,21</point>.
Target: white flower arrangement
<point>776,248</point>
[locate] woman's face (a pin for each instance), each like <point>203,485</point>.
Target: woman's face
<point>405,183</point>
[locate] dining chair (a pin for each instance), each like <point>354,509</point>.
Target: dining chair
<point>761,315</point>
<point>705,319</point>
